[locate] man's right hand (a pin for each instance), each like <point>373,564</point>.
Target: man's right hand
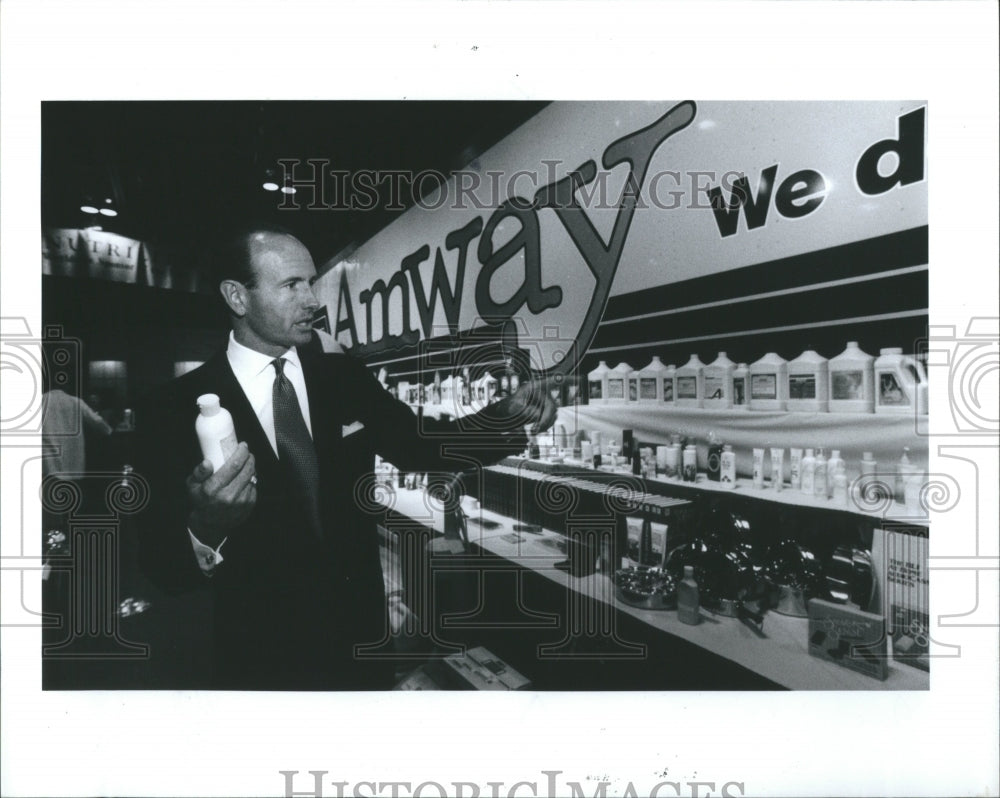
<point>221,500</point>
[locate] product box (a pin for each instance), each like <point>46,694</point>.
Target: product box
<point>849,637</point>
<point>899,559</point>
<point>481,670</point>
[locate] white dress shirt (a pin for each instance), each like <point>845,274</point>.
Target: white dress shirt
<point>255,374</point>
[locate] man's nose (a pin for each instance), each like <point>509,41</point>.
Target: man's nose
<point>309,300</point>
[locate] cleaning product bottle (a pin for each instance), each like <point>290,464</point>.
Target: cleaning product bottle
<point>897,377</point>
<point>690,463</point>
<point>215,430</point>
<point>808,390</point>
<point>852,381</point>
<point>727,469</point>
<point>819,476</point>
<point>718,377</point>
<point>651,381</point>
<point>688,604</point>
<point>808,472</point>
<point>617,381</point>
<point>597,383</point>
<point>714,457</point>
<point>835,462</point>
<point>689,383</point>
<point>904,470</point>
<point>769,383</point>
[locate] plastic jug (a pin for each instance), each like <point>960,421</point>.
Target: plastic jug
<point>597,383</point>
<point>719,383</point>
<point>618,381</point>
<point>807,383</point>
<point>689,383</point>
<point>769,383</point>
<point>852,381</point>
<point>897,381</point>
<point>651,381</point>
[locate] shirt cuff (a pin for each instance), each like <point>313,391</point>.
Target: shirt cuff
<point>207,557</point>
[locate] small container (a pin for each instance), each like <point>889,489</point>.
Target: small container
<point>718,377</point>
<point>769,383</point>
<point>897,377</point>
<point>690,463</point>
<point>688,604</point>
<point>741,398</point>
<point>758,468</point>
<point>777,468</point>
<point>819,476</point>
<point>689,383</point>
<point>215,430</point>
<point>714,468</point>
<point>727,469</point>
<point>650,387</point>
<point>832,465</point>
<point>673,464</point>
<point>808,470</point>
<point>795,468</point>
<point>618,380</point>
<point>808,383</point>
<point>597,383</point>
<point>852,381</point>
<point>904,470</point>
<point>838,491</point>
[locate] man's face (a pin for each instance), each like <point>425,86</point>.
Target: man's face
<point>280,306</point>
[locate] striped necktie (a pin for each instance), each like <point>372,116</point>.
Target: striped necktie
<point>295,446</point>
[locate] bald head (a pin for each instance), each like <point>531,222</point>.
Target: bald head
<point>271,300</point>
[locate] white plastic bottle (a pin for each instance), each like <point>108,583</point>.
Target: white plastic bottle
<point>597,382</point>
<point>727,470</point>
<point>808,472</point>
<point>718,377</point>
<point>651,381</point>
<point>897,377</point>
<point>215,430</point>
<point>904,470</point>
<point>832,465</point>
<point>852,381</point>
<point>839,490</point>
<point>819,476</point>
<point>618,381</point>
<point>808,379</point>
<point>769,383</point>
<point>689,383</point>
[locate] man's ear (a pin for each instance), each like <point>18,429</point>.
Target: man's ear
<point>234,293</point>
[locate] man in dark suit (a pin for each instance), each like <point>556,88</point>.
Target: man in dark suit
<point>280,534</point>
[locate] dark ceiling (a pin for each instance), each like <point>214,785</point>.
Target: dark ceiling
<point>177,172</point>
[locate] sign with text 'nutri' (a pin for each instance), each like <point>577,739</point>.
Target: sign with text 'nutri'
<point>588,201</point>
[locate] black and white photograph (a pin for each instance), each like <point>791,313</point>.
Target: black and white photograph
<point>340,421</point>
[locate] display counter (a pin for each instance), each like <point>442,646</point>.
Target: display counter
<point>778,652</point>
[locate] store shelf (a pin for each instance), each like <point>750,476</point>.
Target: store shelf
<point>780,655</point>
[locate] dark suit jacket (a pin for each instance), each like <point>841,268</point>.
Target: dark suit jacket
<point>289,609</point>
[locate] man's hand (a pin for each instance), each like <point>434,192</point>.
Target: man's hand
<point>531,404</point>
<point>224,499</point>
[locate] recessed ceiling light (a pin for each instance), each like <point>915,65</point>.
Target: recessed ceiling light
<point>88,209</point>
<point>270,186</point>
<point>288,189</point>
<point>109,212</point>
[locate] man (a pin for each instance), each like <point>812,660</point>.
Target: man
<point>278,532</point>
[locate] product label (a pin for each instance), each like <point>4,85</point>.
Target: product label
<point>228,445</point>
<point>647,388</point>
<point>687,387</point>
<point>739,391</point>
<point>616,389</point>
<point>728,468</point>
<point>668,390</point>
<point>714,386</point>
<point>847,385</point>
<point>763,386</point>
<point>801,386</point>
<point>595,389</point>
<point>889,391</point>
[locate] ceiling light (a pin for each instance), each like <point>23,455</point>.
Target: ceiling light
<point>109,212</point>
<point>270,185</point>
<point>88,209</point>
<point>288,189</point>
